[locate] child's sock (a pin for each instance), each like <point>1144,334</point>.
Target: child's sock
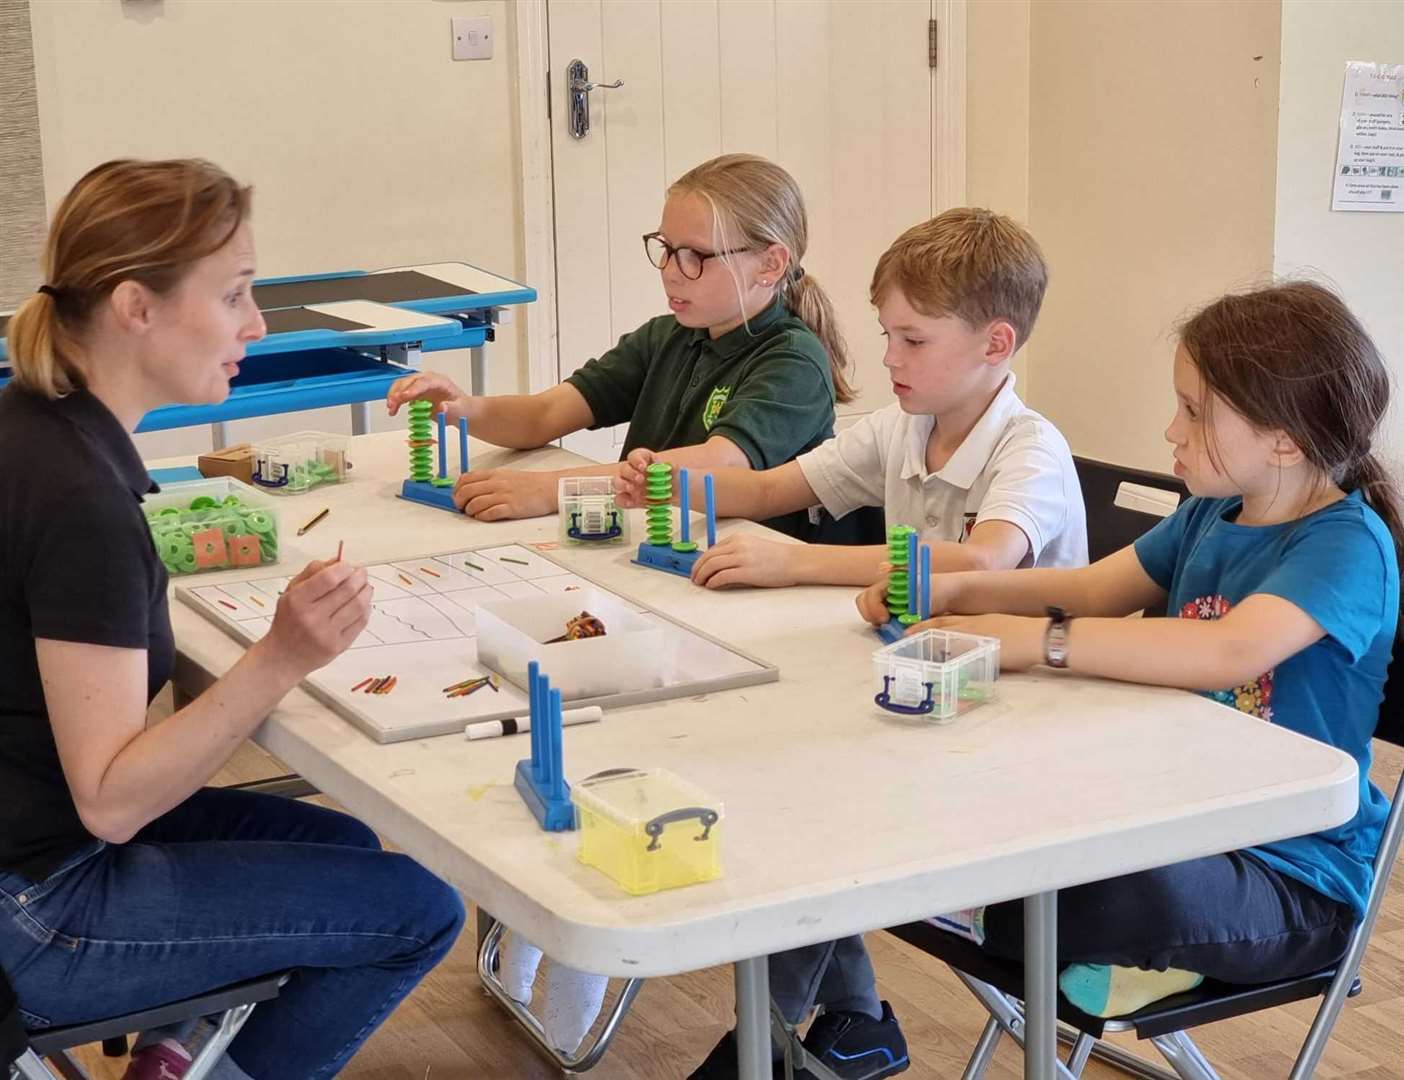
<point>1110,990</point>
<point>968,923</point>
<point>573,1000</point>
<point>517,962</point>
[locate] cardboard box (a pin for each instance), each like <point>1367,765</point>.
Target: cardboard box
<point>236,461</point>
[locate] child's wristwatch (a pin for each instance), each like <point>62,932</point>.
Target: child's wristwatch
<point>1055,638</point>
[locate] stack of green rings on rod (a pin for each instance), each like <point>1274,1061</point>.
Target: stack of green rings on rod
<point>658,492</point>
<point>901,578</point>
<point>174,528</point>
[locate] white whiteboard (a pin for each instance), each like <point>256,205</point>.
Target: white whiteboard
<point>423,631</point>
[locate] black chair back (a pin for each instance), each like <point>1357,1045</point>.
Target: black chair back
<point>1390,726</point>
<point>1110,527</point>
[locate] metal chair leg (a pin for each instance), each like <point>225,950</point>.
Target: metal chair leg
<point>582,1060</point>
<point>984,1051</point>
<point>229,1024</point>
<point>29,1066</point>
<point>1184,1056</point>
<point>1081,1050</point>
<point>1007,1014</point>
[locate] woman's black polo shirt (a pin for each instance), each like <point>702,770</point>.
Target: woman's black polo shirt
<point>76,564</point>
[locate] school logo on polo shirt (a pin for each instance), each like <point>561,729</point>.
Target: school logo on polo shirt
<point>714,406</point>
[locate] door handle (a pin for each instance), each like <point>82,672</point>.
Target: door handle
<point>578,87</point>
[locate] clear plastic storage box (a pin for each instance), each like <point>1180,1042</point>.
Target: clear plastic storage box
<point>588,513</point>
<point>937,674</point>
<point>629,657</point>
<point>213,524</point>
<point>292,464</point>
<point>648,829</point>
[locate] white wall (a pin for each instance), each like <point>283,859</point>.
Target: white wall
<point>997,120</point>
<point>1362,254</point>
<point>367,144</point>
<point>1152,166</point>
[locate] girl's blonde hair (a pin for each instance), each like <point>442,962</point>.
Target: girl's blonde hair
<point>144,221</point>
<point>756,203</point>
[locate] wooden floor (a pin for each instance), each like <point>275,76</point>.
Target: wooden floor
<point>448,1029</point>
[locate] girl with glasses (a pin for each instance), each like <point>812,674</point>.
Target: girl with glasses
<point>743,371</point>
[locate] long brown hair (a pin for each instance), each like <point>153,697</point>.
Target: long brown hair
<point>145,221</point>
<point>758,202</point>
<point>1293,357</point>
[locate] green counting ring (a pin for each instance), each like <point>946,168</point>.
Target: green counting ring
<point>202,502</point>
<point>232,500</point>
<point>171,549</point>
<point>259,521</point>
<point>169,511</point>
<point>186,564</point>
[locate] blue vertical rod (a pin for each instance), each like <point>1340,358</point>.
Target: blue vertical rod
<point>684,508</point>
<point>558,784</point>
<point>925,581</point>
<point>912,573</point>
<point>711,495</point>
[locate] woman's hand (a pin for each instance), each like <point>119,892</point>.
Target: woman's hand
<point>321,612</point>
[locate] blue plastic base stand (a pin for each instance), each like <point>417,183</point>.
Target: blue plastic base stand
<point>554,814</point>
<point>663,557</point>
<point>891,631</point>
<point>440,498</point>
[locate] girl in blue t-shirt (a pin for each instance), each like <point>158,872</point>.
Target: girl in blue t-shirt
<point>1281,579</point>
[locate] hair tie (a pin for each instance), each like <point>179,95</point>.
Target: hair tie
<point>799,272</point>
<point>49,290</point>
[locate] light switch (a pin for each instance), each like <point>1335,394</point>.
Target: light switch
<point>472,38</point>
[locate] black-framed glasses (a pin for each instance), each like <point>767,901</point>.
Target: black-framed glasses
<point>691,262</point>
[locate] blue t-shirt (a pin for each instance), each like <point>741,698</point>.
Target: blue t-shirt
<point>1338,565</point>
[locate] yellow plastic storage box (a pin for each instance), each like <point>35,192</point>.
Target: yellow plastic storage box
<point>648,829</point>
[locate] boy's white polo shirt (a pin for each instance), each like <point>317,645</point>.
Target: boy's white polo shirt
<point>1014,466</point>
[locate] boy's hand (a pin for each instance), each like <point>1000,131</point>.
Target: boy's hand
<point>747,560</point>
<point>1020,636</point>
<point>629,483</point>
<point>502,494</point>
<point>437,389</point>
<point>872,601</point>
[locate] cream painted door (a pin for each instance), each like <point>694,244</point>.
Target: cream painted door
<point>839,92</point>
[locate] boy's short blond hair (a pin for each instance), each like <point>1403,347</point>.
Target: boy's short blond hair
<point>968,262</point>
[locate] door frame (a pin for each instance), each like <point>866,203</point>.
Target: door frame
<point>534,109</point>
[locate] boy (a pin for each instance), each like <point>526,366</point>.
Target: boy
<point>989,483</point>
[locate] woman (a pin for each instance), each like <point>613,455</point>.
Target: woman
<point>124,882</point>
